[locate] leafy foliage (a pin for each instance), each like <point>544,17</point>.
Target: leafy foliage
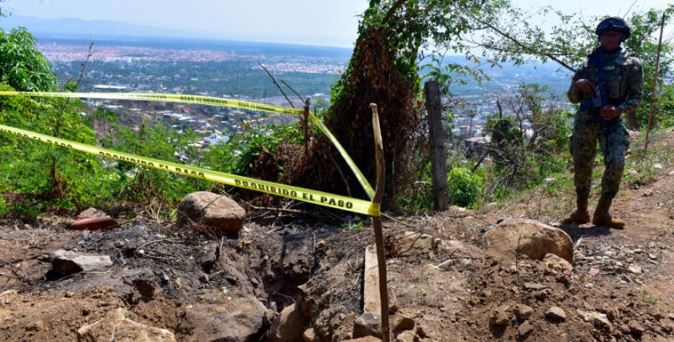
<point>465,188</point>
<point>22,66</point>
<point>569,42</point>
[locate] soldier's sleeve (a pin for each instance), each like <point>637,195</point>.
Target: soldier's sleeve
<point>635,86</point>
<point>573,95</point>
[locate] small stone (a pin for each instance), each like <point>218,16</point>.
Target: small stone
<point>533,286</point>
<point>555,314</point>
<point>652,256</point>
<point>91,212</point>
<point>523,312</point>
<point>499,317</point>
<point>367,324</point>
<point>35,326</point>
<point>402,323</point>
<point>598,319</point>
<point>636,269</point>
<point>635,328</point>
<point>524,329</point>
<point>309,335</point>
<point>69,294</point>
<point>67,262</point>
<point>648,193</point>
<point>671,316</point>
<point>657,166</point>
<point>320,245</point>
<point>407,336</point>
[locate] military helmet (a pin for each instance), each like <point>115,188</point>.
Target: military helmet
<point>613,24</point>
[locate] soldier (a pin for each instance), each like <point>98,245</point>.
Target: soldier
<point>608,85</point>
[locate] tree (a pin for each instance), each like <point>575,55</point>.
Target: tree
<point>22,65</point>
<point>512,37</point>
<point>394,36</point>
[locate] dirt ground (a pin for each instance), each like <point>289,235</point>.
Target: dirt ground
<point>621,287</point>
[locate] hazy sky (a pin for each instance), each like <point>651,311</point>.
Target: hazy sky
<point>324,22</point>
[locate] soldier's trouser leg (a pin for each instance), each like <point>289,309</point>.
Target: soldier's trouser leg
<point>583,145</point>
<point>614,146</point>
<point>615,142</point>
<point>583,149</point>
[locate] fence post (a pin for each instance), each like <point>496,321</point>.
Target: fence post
<point>305,122</point>
<point>377,226</point>
<point>437,145</point>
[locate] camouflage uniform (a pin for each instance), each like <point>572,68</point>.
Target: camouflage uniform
<point>624,89</point>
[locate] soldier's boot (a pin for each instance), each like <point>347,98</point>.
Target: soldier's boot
<point>581,215</point>
<point>602,217</point>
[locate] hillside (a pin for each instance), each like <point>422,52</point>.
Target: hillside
<point>446,282</point>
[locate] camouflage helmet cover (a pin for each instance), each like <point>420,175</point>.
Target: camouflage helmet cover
<point>613,24</point>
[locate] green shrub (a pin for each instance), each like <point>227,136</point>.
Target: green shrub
<point>238,154</point>
<point>3,207</point>
<point>465,188</point>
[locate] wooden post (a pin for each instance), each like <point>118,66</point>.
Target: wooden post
<point>654,90</point>
<point>305,122</point>
<point>376,223</point>
<point>437,145</point>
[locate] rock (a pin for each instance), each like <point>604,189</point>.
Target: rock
<point>91,212</point>
<point>671,315</point>
<point>402,323</point>
<point>499,318</point>
<point>94,223</point>
<point>557,264</point>
<point>289,326</point>
<point>555,314</point>
<point>529,237</point>
<point>8,296</point>
<point>407,336</point>
<point>309,335</point>
<point>67,262</point>
<point>35,326</point>
<point>367,324</point>
<point>523,312</point>
<point>524,329</point>
<point>648,193</point>
<point>116,327</point>
<point>414,243</point>
<point>238,319</point>
<point>635,328</point>
<point>364,339</point>
<point>533,286</point>
<point>598,319</point>
<point>213,214</point>
<point>636,269</point>
<point>657,166</point>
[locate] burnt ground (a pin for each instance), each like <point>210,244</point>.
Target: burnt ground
<point>186,282</point>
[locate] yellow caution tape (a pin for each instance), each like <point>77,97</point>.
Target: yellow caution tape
<point>160,97</point>
<point>352,165</point>
<point>211,101</point>
<point>301,194</point>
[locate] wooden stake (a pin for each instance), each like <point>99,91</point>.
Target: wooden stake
<point>376,223</point>
<point>654,93</point>
<point>305,122</point>
<point>436,140</point>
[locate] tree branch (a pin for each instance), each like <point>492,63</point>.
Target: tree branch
<point>524,46</point>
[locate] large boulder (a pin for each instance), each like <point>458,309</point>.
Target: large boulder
<point>529,237</point>
<point>213,214</point>
<point>236,320</point>
<point>116,327</point>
